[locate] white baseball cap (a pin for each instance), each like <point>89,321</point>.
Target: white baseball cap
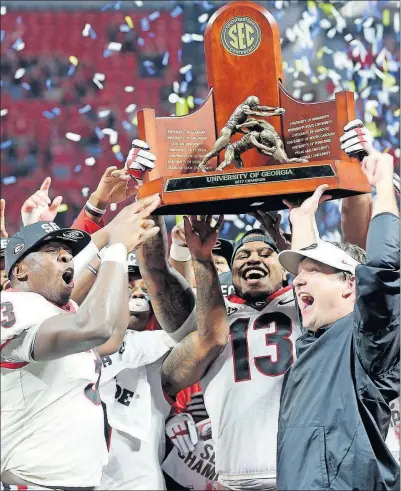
<point>322,251</point>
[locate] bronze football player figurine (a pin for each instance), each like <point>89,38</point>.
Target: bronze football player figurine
<point>250,107</point>
<point>262,136</point>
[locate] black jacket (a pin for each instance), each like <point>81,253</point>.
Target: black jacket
<point>335,412</point>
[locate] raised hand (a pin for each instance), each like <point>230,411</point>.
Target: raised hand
<point>39,207</point>
<point>113,187</point>
<point>378,167</point>
<point>201,235</point>
<point>3,231</point>
<point>310,205</point>
<point>272,226</point>
<point>356,139</point>
<point>178,235</point>
<point>139,160</point>
<point>131,226</point>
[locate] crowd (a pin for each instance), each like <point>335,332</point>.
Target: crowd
<point>271,362</point>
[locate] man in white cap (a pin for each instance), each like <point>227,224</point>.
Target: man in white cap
<point>335,403</point>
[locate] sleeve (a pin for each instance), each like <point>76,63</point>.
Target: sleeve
<point>377,309</point>
<point>85,223</point>
<point>22,314</point>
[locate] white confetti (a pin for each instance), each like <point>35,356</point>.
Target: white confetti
<point>173,98</point>
<point>114,46</point>
<point>104,113</point>
<point>203,18</point>
<point>308,97</point>
<point>185,69</point>
<point>348,38</point>
<point>325,24</point>
<point>129,88</point>
<point>138,3</point>
<point>113,206</point>
<point>19,73</point>
<point>130,108</point>
<point>85,192</point>
<point>73,136</point>
<point>20,46</point>
<point>3,10</point>
<point>96,82</point>
<point>99,76</point>
<point>86,30</point>
<point>176,86</point>
<point>197,37</point>
<point>90,161</point>
<point>3,112</point>
<point>296,94</point>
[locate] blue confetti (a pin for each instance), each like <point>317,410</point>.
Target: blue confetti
<point>198,100</point>
<point>117,5</point>
<point>105,7</point>
<point>6,144</point>
<point>151,35</point>
<point>99,133</point>
<point>188,76</point>
<point>145,24</point>
<point>9,180</point>
<point>19,20</point>
<point>48,83</point>
<point>124,28</point>
<point>165,58</point>
<point>2,35</point>
<point>119,156</point>
<point>176,11</point>
<point>126,125</point>
<point>141,42</point>
<point>17,43</point>
<point>92,33</point>
<point>49,115</point>
<point>154,15</point>
<point>77,168</point>
<point>71,70</point>
<point>183,87</point>
<point>56,111</point>
<point>26,86</point>
<point>150,67</point>
<point>106,53</point>
<point>179,54</point>
<point>85,109</point>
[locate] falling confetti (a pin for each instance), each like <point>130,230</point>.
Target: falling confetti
<point>73,137</point>
<point>9,180</point>
<point>90,161</point>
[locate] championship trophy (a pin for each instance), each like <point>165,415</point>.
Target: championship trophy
<point>250,144</point>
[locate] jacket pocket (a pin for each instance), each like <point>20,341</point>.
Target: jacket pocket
<point>301,462</point>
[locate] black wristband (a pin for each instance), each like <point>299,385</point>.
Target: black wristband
<point>93,213</point>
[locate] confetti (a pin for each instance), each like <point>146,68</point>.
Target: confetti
<point>173,98</point>
<point>145,24</point>
<point>48,83</point>
<point>73,137</point>
<point>130,108</point>
<point>104,113</point>
<point>2,35</point>
<point>71,70</point>
<point>3,10</point>
<point>96,82</point>
<point>165,58</point>
<point>85,192</point>
<point>126,125</point>
<point>85,109</point>
<point>85,31</point>
<point>73,60</point>
<point>113,206</point>
<point>90,161</point>
<point>3,112</point>
<point>176,11</point>
<point>203,18</point>
<point>62,208</point>
<point>19,45</point>
<point>6,144</point>
<point>77,168</point>
<point>185,68</point>
<point>99,133</point>
<point>129,88</point>
<point>139,3</point>
<point>114,46</point>
<point>26,86</point>
<point>49,114</point>
<point>9,180</point>
<point>154,15</point>
<point>129,22</point>
<point>19,73</point>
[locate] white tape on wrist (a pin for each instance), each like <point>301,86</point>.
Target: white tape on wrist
<point>116,253</point>
<point>84,257</point>
<point>179,253</point>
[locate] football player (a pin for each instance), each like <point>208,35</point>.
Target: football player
<point>130,387</point>
<point>50,366</point>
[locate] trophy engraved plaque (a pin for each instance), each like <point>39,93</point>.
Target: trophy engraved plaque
<point>250,144</point>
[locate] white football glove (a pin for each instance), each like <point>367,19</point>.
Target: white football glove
<point>182,432</point>
<point>139,160</point>
<point>356,139</point>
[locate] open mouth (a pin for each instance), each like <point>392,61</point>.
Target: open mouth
<point>68,277</point>
<point>305,301</point>
<point>254,275</point>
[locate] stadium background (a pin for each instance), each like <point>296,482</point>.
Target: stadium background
<point>75,73</point>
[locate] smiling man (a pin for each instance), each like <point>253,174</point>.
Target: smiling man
<point>335,405</point>
<point>241,356</point>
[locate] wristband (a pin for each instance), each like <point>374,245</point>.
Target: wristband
<point>116,253</point>
<point>97,212</point>
<point>91,269</point>
<point>179,253</point>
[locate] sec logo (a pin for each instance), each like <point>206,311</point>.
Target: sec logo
<point>241,36</point>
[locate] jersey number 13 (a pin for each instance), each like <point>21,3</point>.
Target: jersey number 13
<point>279,331</point>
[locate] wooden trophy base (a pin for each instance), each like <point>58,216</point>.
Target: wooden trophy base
<point>248,190</point>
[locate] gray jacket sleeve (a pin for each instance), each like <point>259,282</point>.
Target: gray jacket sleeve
<point>377,309</point>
